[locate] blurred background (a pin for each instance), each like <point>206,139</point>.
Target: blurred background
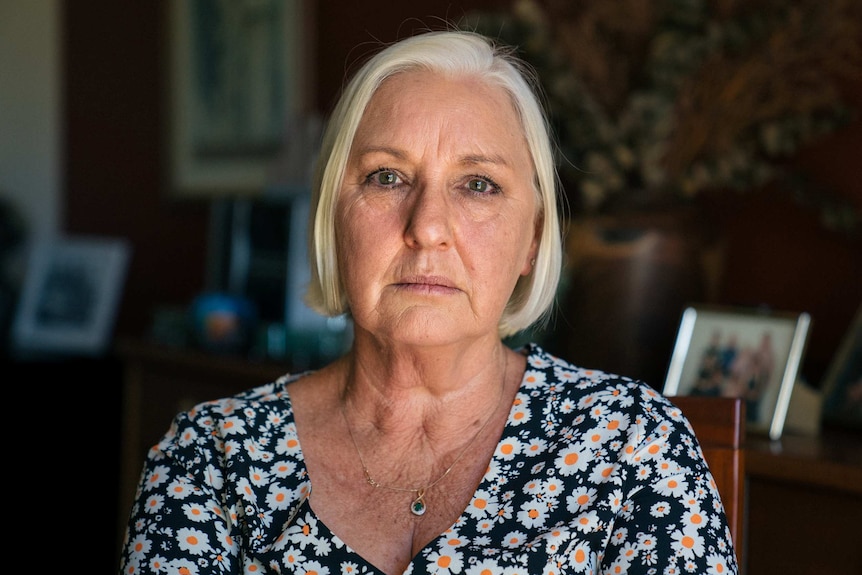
<point>717,148</point>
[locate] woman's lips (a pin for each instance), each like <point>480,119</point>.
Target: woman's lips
<point>427,284</point>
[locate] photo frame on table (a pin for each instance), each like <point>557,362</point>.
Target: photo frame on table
<point>70,296</point>
<point>842,384</point>
<point>740,352</point>
<point>238,79</point>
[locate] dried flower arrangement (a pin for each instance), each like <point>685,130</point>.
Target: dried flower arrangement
<point>662,100</point>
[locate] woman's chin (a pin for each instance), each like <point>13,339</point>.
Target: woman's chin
<point>431,329</point>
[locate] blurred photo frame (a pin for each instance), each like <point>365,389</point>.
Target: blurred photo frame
<point>70,296</point>
<point>842,383</point>
<point>740,352</point>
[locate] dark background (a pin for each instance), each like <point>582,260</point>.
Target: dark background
<point>778,254</point>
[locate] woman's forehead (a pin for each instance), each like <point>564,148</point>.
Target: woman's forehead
<point>463,111</point>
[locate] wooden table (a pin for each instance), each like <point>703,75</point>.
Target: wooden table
<point>804,511</point>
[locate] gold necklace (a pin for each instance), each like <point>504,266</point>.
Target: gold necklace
<point>418,506</point>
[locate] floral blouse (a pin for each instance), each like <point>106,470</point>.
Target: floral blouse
<point>594,473</point>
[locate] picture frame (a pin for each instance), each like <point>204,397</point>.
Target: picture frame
<point>239,79</point>
<point>842,383</point>
<point>740,352</point>
<point>70,296</point>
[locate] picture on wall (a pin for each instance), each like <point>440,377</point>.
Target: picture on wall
<point>237,82</point>
<point>736,352</point>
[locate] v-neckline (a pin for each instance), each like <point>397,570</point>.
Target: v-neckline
<point>484,484</point>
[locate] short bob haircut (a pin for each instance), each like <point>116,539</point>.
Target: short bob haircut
<point>450,52</point>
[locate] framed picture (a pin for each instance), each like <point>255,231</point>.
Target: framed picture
<point>842,384</point>
<point>71,292</point>
<point>238,79</point>
<point>740,352</point>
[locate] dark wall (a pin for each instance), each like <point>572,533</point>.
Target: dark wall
<point>114,87</point>
<point>114,82</point>
<point>348,30</point>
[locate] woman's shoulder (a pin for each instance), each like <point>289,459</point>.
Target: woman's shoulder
<point>232,416</point>
<point>572,400</point>
<point>582,388</point>
<point>560,370</point>
<point>269,394</point>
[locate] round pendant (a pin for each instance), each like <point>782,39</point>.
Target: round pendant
<point>418,506</point>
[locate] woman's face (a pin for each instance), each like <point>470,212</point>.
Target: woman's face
<point>436,219</point>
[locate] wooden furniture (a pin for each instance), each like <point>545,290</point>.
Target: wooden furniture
<point>805,504</point>
<point>719,423</point>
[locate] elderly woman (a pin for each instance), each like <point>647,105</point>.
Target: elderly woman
<point>431,446</point>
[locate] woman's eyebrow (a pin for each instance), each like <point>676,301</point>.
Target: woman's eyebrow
<point>466,160</point>
<point>472,159</point>
<point>369,150</point>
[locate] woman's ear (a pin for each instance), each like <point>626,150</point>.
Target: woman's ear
<point>530,263</point>
<point>528,267</point>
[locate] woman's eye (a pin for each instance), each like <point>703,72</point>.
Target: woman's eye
<point>482,186</point>
<point>383,178</point>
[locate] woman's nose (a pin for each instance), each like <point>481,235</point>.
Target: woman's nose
<point>429,219</point>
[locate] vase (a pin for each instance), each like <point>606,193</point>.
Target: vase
<point>627,279</point>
